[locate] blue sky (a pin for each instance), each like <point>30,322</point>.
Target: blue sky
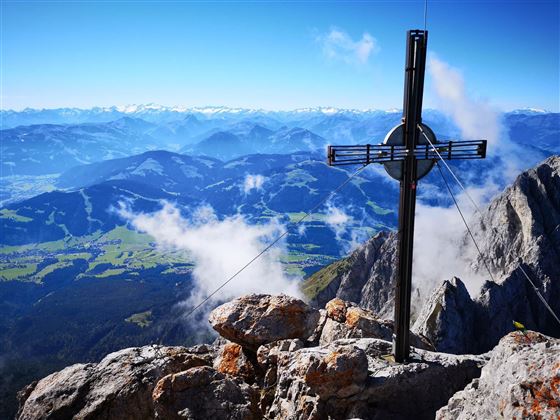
<point>273,55</point>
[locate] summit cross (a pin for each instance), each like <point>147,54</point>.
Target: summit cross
<point>408,153</point>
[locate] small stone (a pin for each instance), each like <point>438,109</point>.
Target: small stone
<point>336,309</point>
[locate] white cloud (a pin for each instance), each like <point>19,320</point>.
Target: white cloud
<point>336,218</point>
<point>442,249</point>
<point>219,248</point>
<point>476,118</point>
<point>253,182</point>
<point>338,45</point>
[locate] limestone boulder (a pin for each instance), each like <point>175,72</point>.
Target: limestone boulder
<point>120,386</point>
<point>521,380</point>
<point>254,320</point>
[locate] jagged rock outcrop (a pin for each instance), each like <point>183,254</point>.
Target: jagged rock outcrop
<point>254,320</point>
<point>290,378</point>
<point>366,277</point>
<point>118,387</point>
<point>521,380</point>
<point>520,230</point>
<point>450,309</point>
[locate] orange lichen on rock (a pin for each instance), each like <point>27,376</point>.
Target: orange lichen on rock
<point>229,360</point>
<point>356,316</point>
<point>527,337</point>
<point>544,395</point>
<point>341,373</point>
<point>233,361</point>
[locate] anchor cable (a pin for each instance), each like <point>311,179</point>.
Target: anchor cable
<point>465,223</point>
<point>450,170</point>
<point>293,224</point>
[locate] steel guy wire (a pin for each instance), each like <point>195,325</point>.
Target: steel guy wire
<point>541,297</point>
<point>305,216</point>
<point>450,170</point>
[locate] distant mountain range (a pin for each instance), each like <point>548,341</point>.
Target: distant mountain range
<point>60,139</point>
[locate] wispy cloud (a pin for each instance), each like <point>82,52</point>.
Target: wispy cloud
<point>338,45</point>
<point>475,117</point>
<point>443,248</point>
<point>218,248</point>
<point>253,182</point>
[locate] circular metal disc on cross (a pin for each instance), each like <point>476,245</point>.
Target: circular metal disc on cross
<point>396,137</point>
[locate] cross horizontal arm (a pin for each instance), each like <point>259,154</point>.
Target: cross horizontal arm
<point>381,153</point>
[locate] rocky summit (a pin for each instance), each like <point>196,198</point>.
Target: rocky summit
<point>291,361</point>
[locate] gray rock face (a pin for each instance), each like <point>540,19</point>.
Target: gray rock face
<point>366,277</point>
<point>521,380</point>
<point>254,320</point>
<point>521,226</point>
<point>120,386</point>
<point>351,379</point>
<point>204,393</point>
<point>448,309</point>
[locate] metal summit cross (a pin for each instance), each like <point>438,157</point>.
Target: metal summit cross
<point>408,153</point>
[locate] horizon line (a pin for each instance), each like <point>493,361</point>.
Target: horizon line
<point>133,108</point>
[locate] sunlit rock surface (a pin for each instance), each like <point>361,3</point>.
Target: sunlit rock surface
<point>521,380</point>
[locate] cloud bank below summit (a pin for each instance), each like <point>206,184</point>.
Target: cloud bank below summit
<point>219,249</point>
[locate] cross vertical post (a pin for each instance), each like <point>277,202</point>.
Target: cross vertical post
<point>408,153</point>
<point>412,112</point>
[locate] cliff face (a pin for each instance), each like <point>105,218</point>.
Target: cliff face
<point>520,227</point>
<point>366,277</point>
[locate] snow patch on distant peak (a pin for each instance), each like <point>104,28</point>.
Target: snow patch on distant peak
<point>530,111</point>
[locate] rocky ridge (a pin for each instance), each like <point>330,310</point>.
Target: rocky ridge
<point>521,380</point>
<point>300,369</point>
